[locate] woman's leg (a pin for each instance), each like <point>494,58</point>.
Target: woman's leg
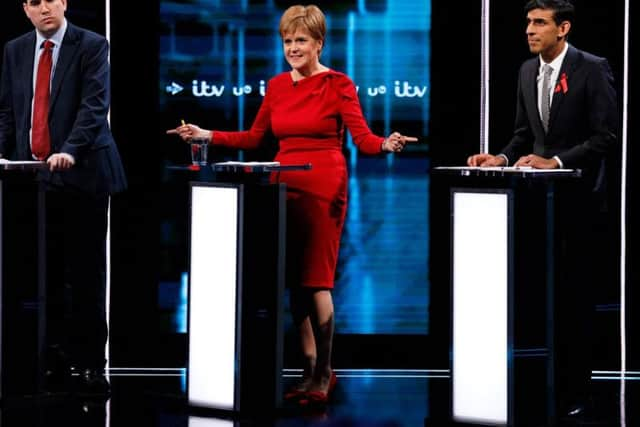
<point>301,305</point>
<point>309,354</point>
<point>323,319</point>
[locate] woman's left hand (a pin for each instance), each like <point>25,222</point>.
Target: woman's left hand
<point>188,131</point>
<point>396,142</point>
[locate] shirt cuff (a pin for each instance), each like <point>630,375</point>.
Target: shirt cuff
<point>560,164</point>
<point>506,159</point>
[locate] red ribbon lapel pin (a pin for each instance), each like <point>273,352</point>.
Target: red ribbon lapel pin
<point>562,84</point>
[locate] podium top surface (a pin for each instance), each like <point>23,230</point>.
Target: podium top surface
<point>25,165</point>
<point>506,171</point>
<point>257,167</point>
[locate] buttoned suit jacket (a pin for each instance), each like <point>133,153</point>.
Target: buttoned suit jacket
<point>582,121</point>
<point>78,108</point>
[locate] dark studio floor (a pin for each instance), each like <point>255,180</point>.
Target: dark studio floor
<point>372,398</point>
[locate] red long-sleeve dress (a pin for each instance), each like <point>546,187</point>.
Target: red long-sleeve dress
<point>308,118</point>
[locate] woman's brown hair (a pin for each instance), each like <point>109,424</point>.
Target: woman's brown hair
<point>309,18</point>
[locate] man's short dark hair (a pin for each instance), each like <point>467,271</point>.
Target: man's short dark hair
<point>563,10</point>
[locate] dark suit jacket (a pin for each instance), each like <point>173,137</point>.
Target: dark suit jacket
<point>583,119</point>
<point>78,108</point>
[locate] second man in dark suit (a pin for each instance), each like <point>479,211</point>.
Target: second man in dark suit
<point>83,170</point>
<point>566,117</point>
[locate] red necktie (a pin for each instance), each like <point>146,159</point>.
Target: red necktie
<point>40,138</point>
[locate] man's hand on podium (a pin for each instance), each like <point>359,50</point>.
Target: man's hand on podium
<point>486,160</point>
<point>60,161</point>
<point>537,162</point>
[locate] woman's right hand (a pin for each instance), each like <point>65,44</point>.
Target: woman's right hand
<point>188,131</point>
<point>396,142</point>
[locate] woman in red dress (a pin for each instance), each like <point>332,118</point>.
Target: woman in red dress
<point>307,110</point>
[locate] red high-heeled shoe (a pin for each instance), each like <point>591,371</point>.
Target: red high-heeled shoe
<point>319,397</point>
<point>297,391</point>
<point>333,381</point>
<point>294,394</point>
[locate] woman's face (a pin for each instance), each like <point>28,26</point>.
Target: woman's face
<point>301,50</point>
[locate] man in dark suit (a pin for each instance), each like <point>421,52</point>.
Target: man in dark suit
<point>83,170</point>
<point>566,117</point>
<point>582,118</point>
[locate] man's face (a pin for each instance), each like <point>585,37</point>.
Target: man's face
<point>544,36</point>
<point>46,15</point>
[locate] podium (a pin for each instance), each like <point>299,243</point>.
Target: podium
<point>22,279</point>
<point>236,289</point>
<point>509,230</point>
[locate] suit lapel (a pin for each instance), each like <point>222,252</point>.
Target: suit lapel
<point>531,91</point>
<point>568,65</point>
<point>68,51</point>
<point>26,69</point>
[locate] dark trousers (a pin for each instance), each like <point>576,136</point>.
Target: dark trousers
<point>583,248</point>
<point>76,227</point>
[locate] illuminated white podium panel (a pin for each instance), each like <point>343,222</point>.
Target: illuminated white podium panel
<point>480,280</point>
<point>503,276</point>
<point>236,286</point>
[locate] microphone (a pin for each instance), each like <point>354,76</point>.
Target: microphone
<point>295,83</point>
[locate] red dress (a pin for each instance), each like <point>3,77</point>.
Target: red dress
<point>308,118</point>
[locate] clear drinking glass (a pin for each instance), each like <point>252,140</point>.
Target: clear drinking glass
<point>199,148</point>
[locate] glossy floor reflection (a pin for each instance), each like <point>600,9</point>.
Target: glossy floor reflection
<point>371,398</point>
